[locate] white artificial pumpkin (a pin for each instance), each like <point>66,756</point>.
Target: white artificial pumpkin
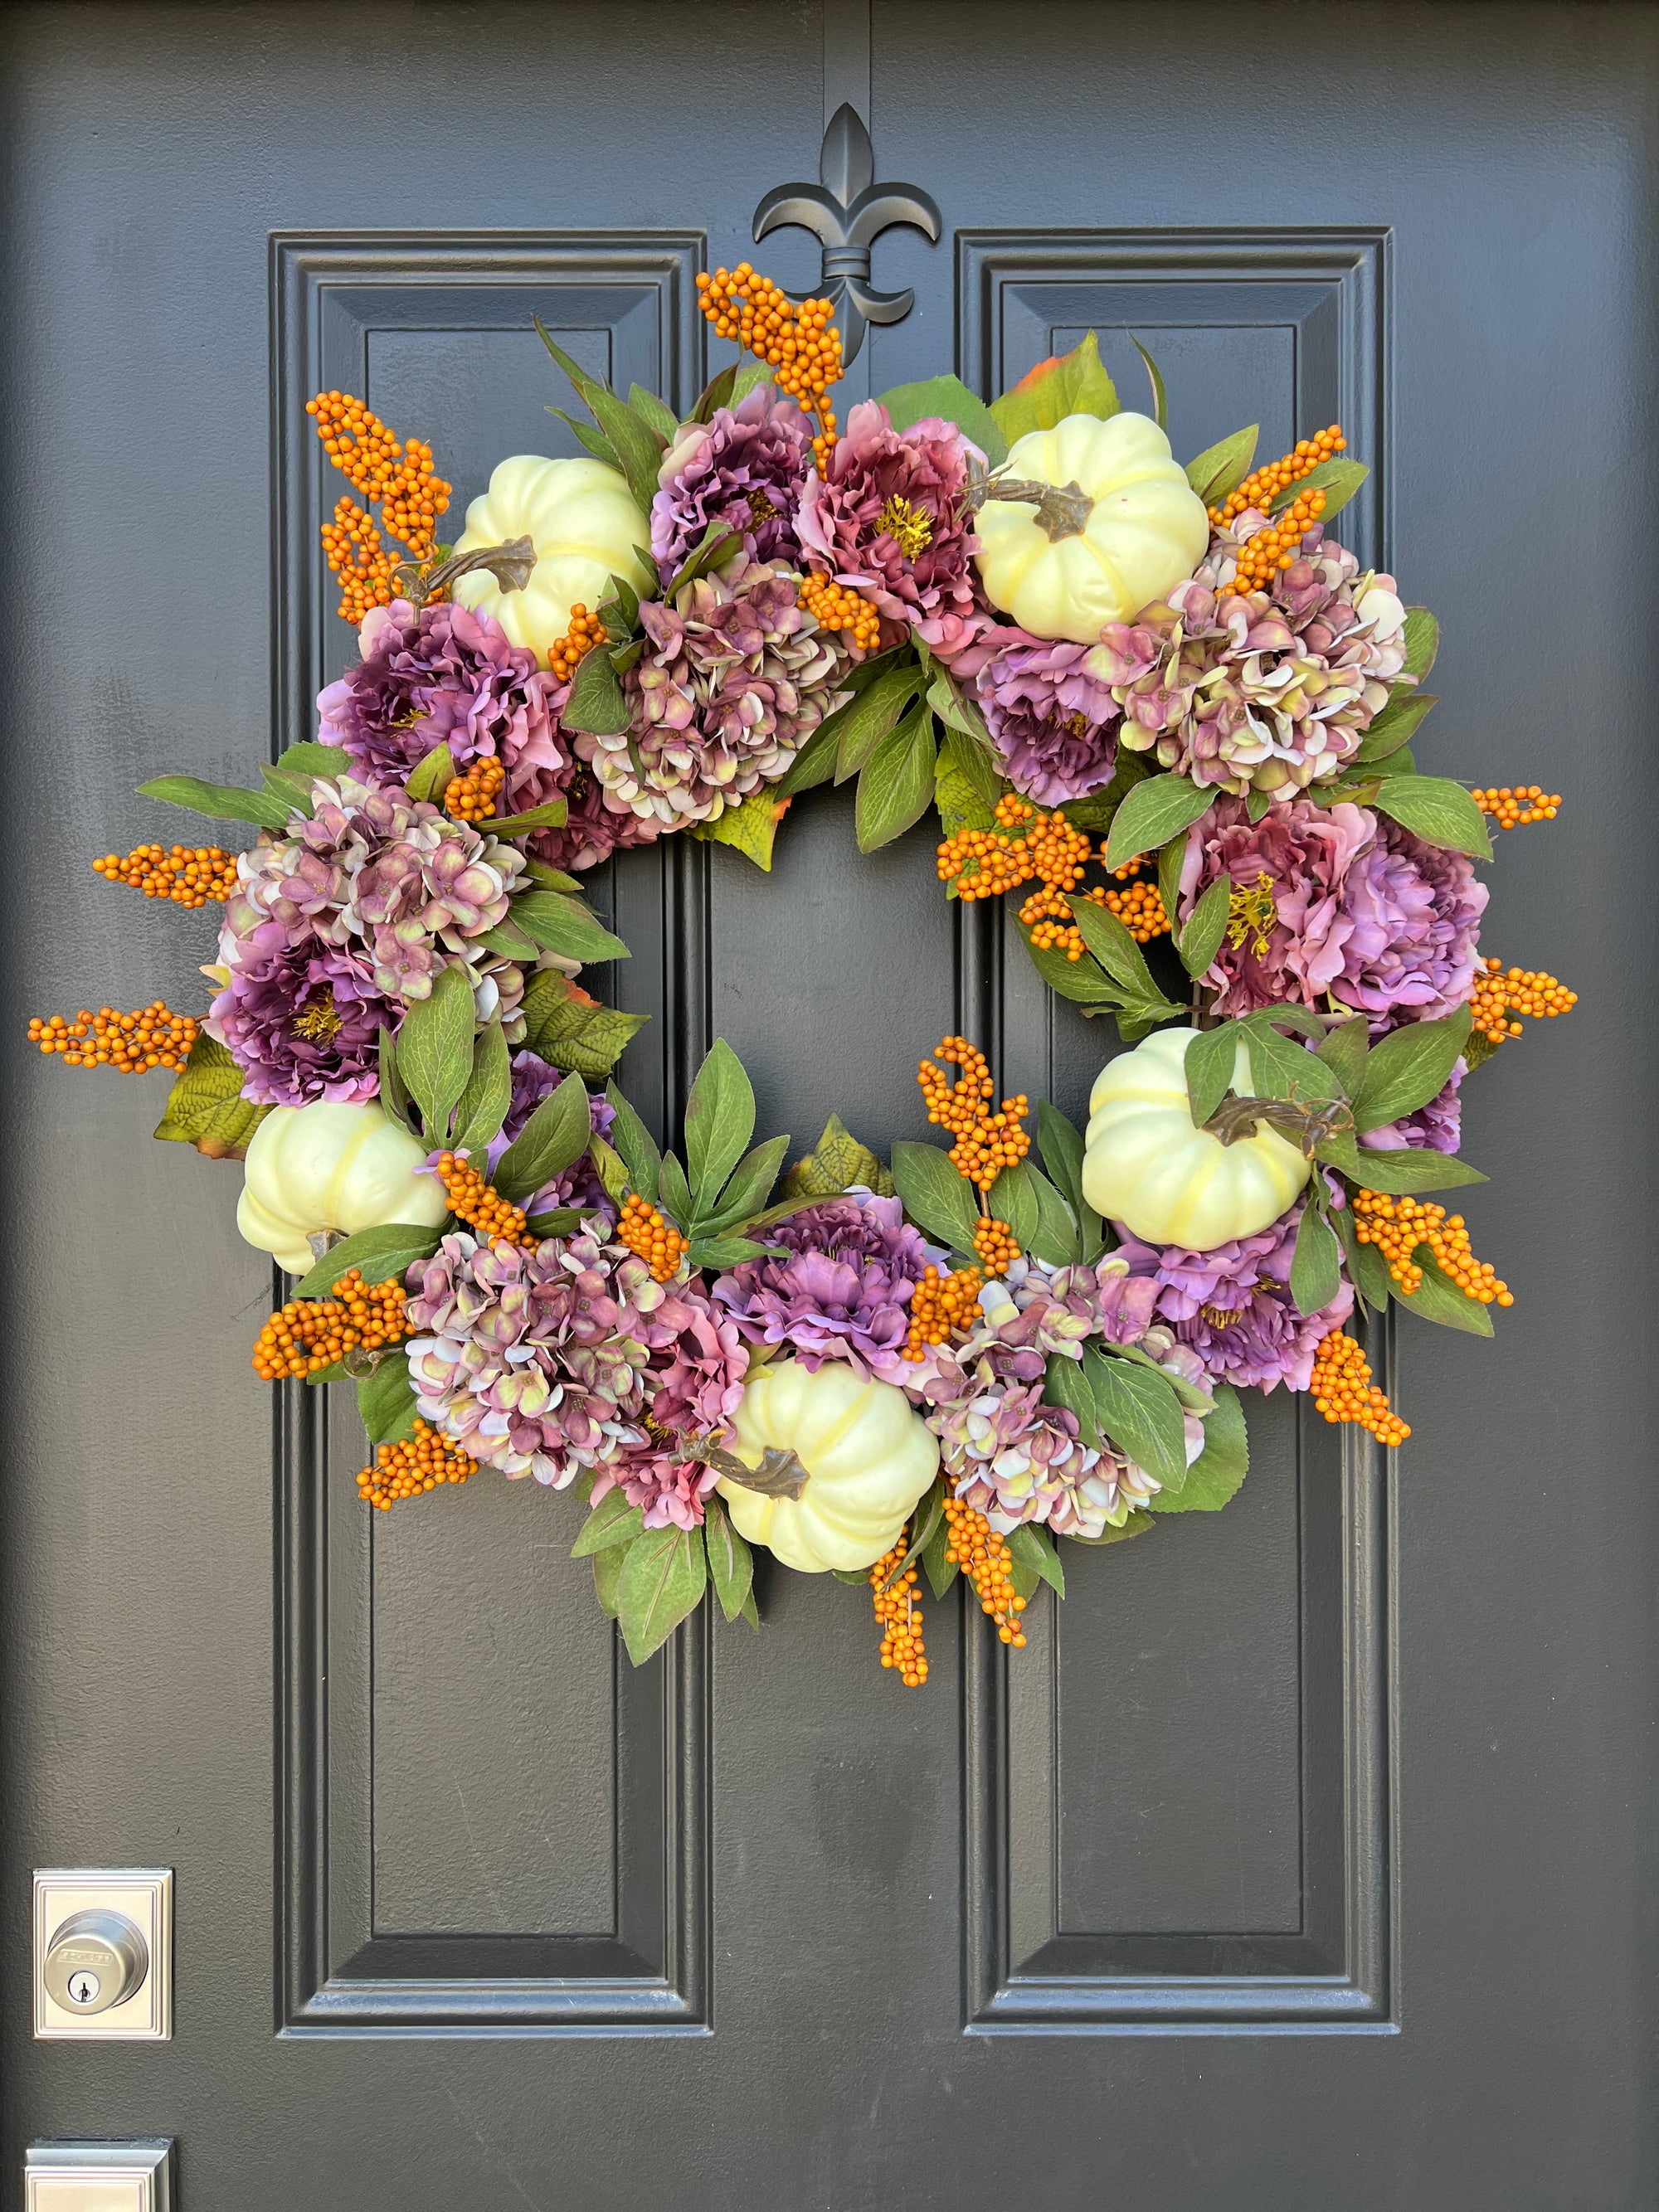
<point>868,1456</point>
<point>1144,528</point>
<point>313,1169</point>
<point>584,524</point>
<point>1146,1165</point>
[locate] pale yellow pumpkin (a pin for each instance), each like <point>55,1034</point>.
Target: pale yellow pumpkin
<point>1144,528</point>
<point>1146,1165</point>
<point>868,1456</point>
<point>584,524</point>
<point>311,1169</point>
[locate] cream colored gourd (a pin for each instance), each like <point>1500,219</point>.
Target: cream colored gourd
<point>584,524</point>
<point>1146,530</point>
<point>312,1168</point>
<point>1144,1164</point>
<point>868,1458</point>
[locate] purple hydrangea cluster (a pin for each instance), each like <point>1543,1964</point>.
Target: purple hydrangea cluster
<point>1050,706</point>
<point>1335,903</point>
<point>745,471</point>
<point>570,1358</point>
<point>844,1291</point>
<point>339,924</point>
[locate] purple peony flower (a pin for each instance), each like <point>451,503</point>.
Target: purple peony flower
<point>746,469</point>
<point>302,1017</point>
<point>1232,1306</point>
<point>845,1290</point>
<point>887,521</point>
<point>445,675</point>
<point>1050,709</point>
<point>1413,915</point>
<point>597,825</point>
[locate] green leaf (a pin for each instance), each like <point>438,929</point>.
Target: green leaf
<point>661,1584</point>
<point>1061,1149</point>
<point>936,1198</point>
<point>289,786</point>
<point>1058,1241</point>
<point>389,1249</point>
<point>1012,1199</point>
<point>720,1120</point>
<point>1141,1415</point>
<point>1065,1385</point>
<point>1280,1068</point>
<point>896,785</point>
<point>1033,1548</point>
<point>751,375</point>
<point>635,443</point>
<point>717,545</point>
<point>834,1163</point>
<point>749,826</point>
<point>597,704</point>
<point>1222,467</point>
<point>483,1105</point>
<point>595,441</point>
<point>655,413</point>
<point>745,1195</point>
<point>1212,1059</point>
<point>968,755</point>
<point>224,802</point>
<point>563,925</point>
<point>1068,383</point>
<point>949,398</point>
<point>1437,1299</point>
<point>1137,1524</point>
<point>312,760</point>
<point>1200,939</point>
<point>1194,1398</point>
<point>1153,813</point>
<point>545,879</point>
<point>868,719</point>
<point>550,815</point>
<point>719,391</point>
<point>435,1048</point>
<point>205,1107</point>
<point>512,943</point>
<point>1216,1474</point>
<point>1396,726</point>
<point>613,1521</point>
<point>394,1099</point>
<point>1082,981</point>
<point>941,1572</point>
<point>572,1031</point>
<point>385,1402</point>
<point>1422,642</point>
<point>1368,1271</point>
<point>1409,1169</point>
<point>430,778</point>
<point>1317,1265</point>
<point>1346,1051</point>
<point>956,796</point>
<point>1437,811</point>
<point>553,1138</point>
<point>1256,802</point>
<point>1408,1067</point>
<point>1160,396</point>
<point>559,1220</point>
<point>815,763</point>
<point>637,1147</point>
<point>731,1561</point>
<point>607,1577</point>
<point>1338,479</point>
<point>719,1253</point>
<point>1113,946</point>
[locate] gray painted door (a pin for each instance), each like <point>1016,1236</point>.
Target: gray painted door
<point>1305,1860</point>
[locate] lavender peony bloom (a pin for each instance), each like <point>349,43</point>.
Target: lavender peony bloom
<point>746,469</point>
<point>445,675</point>
<point>597,825</point>
<point>1050,709</point>
<point>1232,1306</point>
<point>844,1291</point>
<point>887,521</point>
<point>1413,915</point>
<point>1287,938</point>
<point>302,1018</point>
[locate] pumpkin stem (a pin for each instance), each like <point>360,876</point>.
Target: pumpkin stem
<point>509,564</point>
<point>1306,1126</point>
<point>1062,510</point>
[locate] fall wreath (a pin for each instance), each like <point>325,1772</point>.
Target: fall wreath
<point>1086,656</point>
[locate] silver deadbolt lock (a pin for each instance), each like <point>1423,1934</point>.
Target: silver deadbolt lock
<point>96,1960</point>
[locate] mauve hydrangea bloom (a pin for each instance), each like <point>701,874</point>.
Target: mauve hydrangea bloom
<point>746,469</point>
<point>597,825</point>
<point>1232,1306</point>
<point>888,521</point>
<point>301,1018</point>
<point>1049,706</point>
<point>1293,865</point>
<point>845,1290</point>
<point>447,676</point>
<point>1413,913</point>
<point>570,1357</point>
<point>1435,1128</point>
<point>734,678</point>
<point>1271,692</point>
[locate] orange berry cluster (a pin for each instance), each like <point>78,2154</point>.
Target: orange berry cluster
<point>566,653</point>
<point>836,606</point>
<point>1398,1226</point>
<point>189,875</point>
<point>311,1334</point>
<point>898,1615</point>
<point>356,555</point>
<point>986,1142</point>
<point>424,1460</point>
<point>800,345</point>
<point>1141,908</point>
<point>399,476</point>
<point>656,1241</point>
<point>1275,547</point>
<point>1512,807</point>
<point>984,1558</point>
<point>942,1306</point>
<point>150,1037</point>
<point>994,1240</point>
<point>479,1203</point>
<point>1500,992</point>
<point>985,863</point>
<point>472,797</point>
<point>1343,1391</point>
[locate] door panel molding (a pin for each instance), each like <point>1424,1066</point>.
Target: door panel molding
<point>340,304</point>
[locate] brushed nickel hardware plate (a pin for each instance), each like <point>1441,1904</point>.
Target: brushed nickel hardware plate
<point>115,2177</point>
<point>103,1954</point>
